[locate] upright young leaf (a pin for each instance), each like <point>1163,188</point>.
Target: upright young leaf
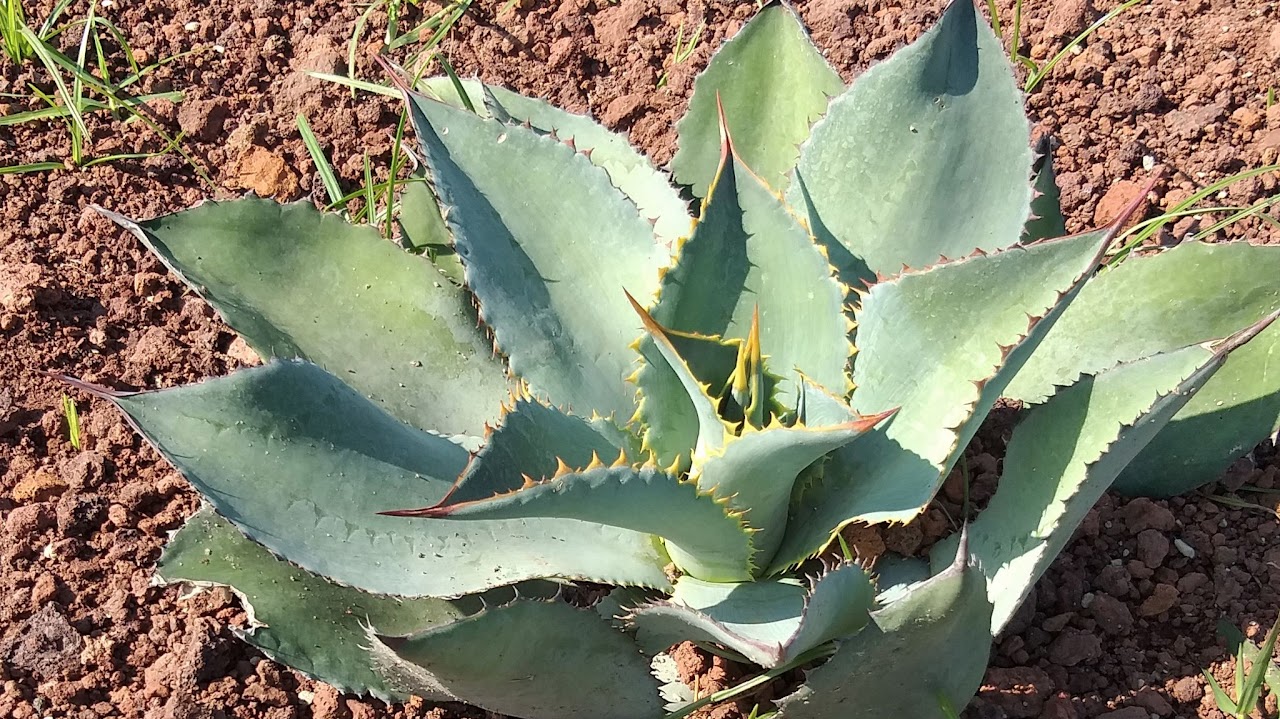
<point>533,250</point>
<point>958,176</point>
<point>295,282</point>
<point>773,82</point>
<point>534,659</point>
<point>749,257</point>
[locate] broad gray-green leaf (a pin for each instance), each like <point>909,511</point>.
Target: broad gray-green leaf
<point>631,171</point>
<point>712,542</point>
<point>296,617</point>
<point>295,282</point>
<point>1191,293</point>
<point>770,622</point>
<point>958,175</point>
<point>303,464</point>
<point>756,471</point>
<point>926,650</point>
<point>538,660</point>
<point>750,257</point>
<point>422,229</point>
<point>534,440</point>
<point>1064,455</point>
<point>939,344</point>
<point>1046,206</point>
<point>533,250</point>
<point>773,84</point>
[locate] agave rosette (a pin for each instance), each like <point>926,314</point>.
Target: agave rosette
<point>577,382</point>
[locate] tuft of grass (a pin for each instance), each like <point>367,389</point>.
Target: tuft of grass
<point>1140,233</point>
<point>89,72</point>
<point>72,416</point>
<point>681,52</point>
<point>437,24</point>
<point>1248,684</point>
<point>12,17</point>
<point>1036,72</point>
<point>1270,98</point>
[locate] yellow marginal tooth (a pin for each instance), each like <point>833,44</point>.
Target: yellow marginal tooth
<point>528,482</point>
<point>621,461</point>
<point>561,468</point>
<point>595,462</point>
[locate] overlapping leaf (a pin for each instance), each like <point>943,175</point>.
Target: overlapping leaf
<point>303,465</point>
<point>939,344</point>
<point>295,282</point>
<point>630,171</point>
<point>773,84</point>
<point>533,249</point>
<point>925,651</point>
<point>297,618</point>
<point>1065,454</point>
<point>647,500</point>
<point>768,622</point>
<point>533,659</point>
<point>1192,293</point>
<point>956,176</point>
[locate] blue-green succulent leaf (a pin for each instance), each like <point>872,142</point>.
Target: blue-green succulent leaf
<point>298,283</point>
<point>533,659</point>
<point>1192,293</point>
<point>629,170</point>
<point>928,647</point>
<point>958,176</point>
<point>533,249</point>
<point>303,465</point>
<point>773,83</point>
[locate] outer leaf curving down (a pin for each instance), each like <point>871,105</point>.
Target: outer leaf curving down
<point>302,464</point>
<point>297,283</point>
<point>541,660</point>
<point>1067,452</point>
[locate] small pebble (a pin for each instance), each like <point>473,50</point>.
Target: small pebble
<point>1184,549</point>
<point>192,26</point>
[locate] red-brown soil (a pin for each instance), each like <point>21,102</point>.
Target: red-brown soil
<point>1119,628</point>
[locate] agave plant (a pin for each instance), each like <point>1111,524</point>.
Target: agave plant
<point>676,410</point>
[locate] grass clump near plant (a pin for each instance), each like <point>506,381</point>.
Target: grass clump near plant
<point>578,382</point>
<point>91,81</point>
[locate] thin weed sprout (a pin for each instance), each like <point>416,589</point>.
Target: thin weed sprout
<point>1142,232</point>
<point>1037,72</point>
<point>376,202</point>
<point>1248,684</point>
<point>89,72</point>
<point>681,52</point>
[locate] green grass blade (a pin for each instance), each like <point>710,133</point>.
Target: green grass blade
<point>72,417</point>
<point>355,84</point>
<point>50,58</point>
<point>31,167</point>
<point>1039,75</point>
<point>323,168</point>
